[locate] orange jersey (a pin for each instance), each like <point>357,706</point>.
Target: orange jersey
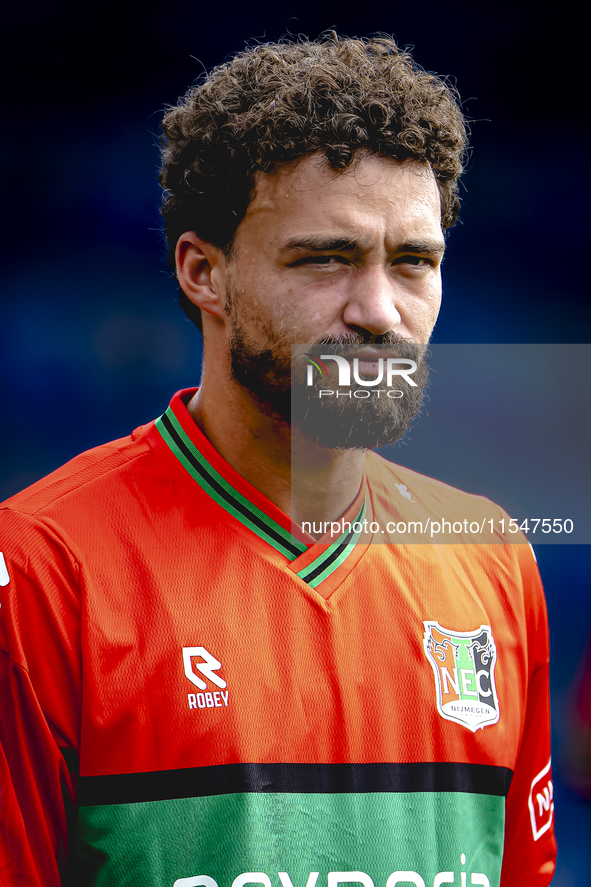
<point>193,695</point>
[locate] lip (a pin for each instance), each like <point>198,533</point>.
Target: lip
<point>367,355</point>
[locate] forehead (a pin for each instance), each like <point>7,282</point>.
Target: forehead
<point>374,196</point>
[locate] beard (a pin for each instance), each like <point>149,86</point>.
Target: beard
<point>356,416</point>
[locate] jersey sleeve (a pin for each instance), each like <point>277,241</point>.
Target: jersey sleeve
<point>530,847</point>
<point>39,700</point>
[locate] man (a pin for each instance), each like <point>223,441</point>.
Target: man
<point>224,660</point>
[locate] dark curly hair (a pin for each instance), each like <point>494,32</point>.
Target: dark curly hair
<point>277,102</point>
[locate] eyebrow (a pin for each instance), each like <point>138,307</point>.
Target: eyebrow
<point>319,245</point>
<point>432,247</point>
<point>332,244</point>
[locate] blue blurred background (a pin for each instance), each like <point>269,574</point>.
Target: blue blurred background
<point>92,342</point>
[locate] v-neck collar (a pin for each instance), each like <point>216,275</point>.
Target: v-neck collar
<point>314,562</point>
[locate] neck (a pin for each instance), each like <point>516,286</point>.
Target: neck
<point>307,481</point>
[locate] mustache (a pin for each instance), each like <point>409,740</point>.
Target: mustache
<point>364,338</point>
<point>391,343</point>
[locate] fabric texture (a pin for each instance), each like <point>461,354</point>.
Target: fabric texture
<point>193,695</point>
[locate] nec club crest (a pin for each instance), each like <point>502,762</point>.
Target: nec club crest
<point>464,666</point>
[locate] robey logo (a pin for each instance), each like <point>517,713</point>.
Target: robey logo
<point>207,666</point>
<point>336,878</point>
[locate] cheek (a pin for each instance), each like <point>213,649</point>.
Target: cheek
<point>291,314</point>
<point>420,314</point>
<point>270,314</point>
<point>435,304</point>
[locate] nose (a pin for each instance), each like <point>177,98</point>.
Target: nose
<point>371,303</point>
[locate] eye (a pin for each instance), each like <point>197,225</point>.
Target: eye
<point>320,260</point>
<point>416,261</point>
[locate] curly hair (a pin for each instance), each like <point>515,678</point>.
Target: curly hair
<point>277,102</point>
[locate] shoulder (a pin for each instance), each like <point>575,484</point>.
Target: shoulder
<point>405,489</point>
<point>465,527</point>
<point>47,531</point>
<point>102,479</point>
<point>44,523</point>
<point>88,474</point>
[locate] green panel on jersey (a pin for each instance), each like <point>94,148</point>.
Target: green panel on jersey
<point>156,843</point>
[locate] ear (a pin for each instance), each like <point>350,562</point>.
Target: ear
<point>201,271</point>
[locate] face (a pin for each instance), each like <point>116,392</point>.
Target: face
<point>344,258</point>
